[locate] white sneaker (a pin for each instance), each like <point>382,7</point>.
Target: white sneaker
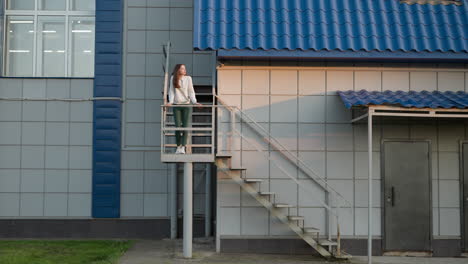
<point>182,150</point>
<point>179,150</point>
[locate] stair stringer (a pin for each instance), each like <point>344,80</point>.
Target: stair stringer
<point>247,187</point>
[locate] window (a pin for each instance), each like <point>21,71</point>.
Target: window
<point>49,38</point>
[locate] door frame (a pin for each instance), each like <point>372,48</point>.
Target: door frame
<point>382,187</point>
<point>463,228</point>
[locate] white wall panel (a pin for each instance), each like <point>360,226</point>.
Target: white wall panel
<point>420,81</point>
<point>368,80</point>
<point>284,82</point>
<point>395,81</point>
<point>335,148</point>
<point>311,82</point>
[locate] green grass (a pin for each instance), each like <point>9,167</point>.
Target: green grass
<point>62,251</point>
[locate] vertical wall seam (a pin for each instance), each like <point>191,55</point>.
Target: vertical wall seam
<point>325,116</point>
<point>241,151</point>
<point>438,160</point>
<point>354,163</point>
<point>21,149</point>
<point>269,132</point>
<point>438,177</point>
<point>45,157</point>
<point>144,113</point>
<point>297,138</point>
<point>68,153</point>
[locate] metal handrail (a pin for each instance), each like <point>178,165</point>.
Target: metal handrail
<point>209,129</point>
<point>328,207</point>
<point>166,51</point>
<point>236,131</point>
<point>283,149</point>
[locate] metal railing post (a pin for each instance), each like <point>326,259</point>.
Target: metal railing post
<point>213,139</point>
<point>338,231</point>
<point>233,126</point>
<point>163,132</point>
<point>329,218</point>
<point>166,71</point>
<point>164,110</point>
<point>208,200</point>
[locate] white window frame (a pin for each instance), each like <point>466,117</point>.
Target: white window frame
<point>36,13</point>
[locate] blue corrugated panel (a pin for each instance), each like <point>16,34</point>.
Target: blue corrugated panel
<point>332,25</point>
<point>423,99</point>
<point>107,114</point>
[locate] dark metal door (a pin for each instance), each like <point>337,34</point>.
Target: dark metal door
<point>407,196</point>
<point>465,193</point>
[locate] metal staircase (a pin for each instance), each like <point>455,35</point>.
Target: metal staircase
<point>201,148</point>
<point>328,247</point>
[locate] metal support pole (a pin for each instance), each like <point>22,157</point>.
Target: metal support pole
<point>208,200</point>
<point>369,150</point>
<point>329,199</point>
<point>173,179</point>
<point>188,209</point>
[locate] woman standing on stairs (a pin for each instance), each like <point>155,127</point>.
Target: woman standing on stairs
<point>181,92</point>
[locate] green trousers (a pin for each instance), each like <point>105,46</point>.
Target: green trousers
<point>182,119</point>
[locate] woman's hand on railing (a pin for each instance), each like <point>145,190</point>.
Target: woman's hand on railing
<point>168,105</point>
<point>199,105</point>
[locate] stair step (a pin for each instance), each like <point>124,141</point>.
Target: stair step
<point>252,180</point>
<point>194,114</point>
<point>266,193</point>
<point>223,156</point>
<point>206,124</point>
<point>343,256</point>
<point>310,230</point>
<point>282,205</point>
<point>193,134</point>
<point>327,242</point>
<point>238,169</point>
<point>295,218</point>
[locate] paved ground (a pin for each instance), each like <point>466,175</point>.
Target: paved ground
<point>170,252</point>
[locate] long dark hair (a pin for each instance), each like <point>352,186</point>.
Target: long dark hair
<point>176,76</point>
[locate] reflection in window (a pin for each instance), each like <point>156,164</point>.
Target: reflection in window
<point>19,48</point>
<point>82,5</point>
<point>44,39</point>
<point>20,4</point>
<point>82,46</point>
<point>51,46</point>
<point>52,4</point>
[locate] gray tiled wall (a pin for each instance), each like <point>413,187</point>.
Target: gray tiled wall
<point>149,24</point>
<point>45,148</point>
<point>301,109</point>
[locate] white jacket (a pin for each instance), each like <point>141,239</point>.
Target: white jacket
<point>183,95</point>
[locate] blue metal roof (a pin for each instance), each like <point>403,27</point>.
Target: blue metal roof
<point>330,25</point>
<point>423,99</point>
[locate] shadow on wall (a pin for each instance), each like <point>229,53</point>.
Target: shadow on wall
<point>299,124</point>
